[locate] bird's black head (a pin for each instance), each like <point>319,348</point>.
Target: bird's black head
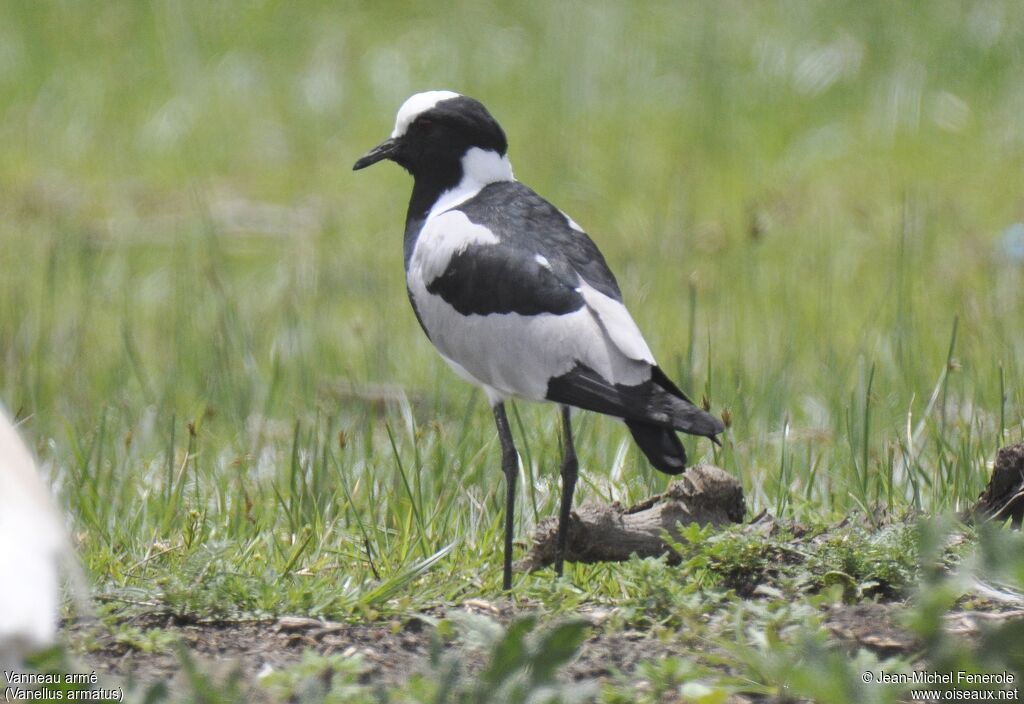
<point>434,131</point>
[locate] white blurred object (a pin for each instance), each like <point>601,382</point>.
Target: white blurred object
<point>1013,243</point>
<point>33,546</point>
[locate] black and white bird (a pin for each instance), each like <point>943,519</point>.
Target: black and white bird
<point>518,299</point>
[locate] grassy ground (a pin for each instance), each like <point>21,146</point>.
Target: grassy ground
<point>810,208</point>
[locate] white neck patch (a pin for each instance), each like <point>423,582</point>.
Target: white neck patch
<point>485,166</point>
<point>479,168</point>
<point>416,106</point>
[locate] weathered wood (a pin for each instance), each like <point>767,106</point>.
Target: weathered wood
<point>1004,496</point>
<point>602,533</point>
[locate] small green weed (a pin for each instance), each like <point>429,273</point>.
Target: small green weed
<point>331,679</point>
<point>520,663</point>
<point>865,563</point>
<point>150,640</point>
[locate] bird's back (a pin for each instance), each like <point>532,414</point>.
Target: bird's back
<point>524,220</point>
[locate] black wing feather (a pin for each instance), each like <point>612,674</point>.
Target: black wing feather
<point>497,278</point>
<point>660,445</point>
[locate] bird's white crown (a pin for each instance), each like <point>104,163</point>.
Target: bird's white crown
<point>415,106</point>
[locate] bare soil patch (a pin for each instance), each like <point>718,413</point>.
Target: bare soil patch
<point>394,651</point>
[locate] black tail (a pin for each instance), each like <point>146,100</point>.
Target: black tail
<point>660,445</point>
<point>656,402</point>
<point>653,411</point>
<point>687,416</point>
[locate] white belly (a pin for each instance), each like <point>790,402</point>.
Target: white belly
<point>517,355</point>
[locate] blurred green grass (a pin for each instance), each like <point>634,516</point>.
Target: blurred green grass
<point>202,313</point>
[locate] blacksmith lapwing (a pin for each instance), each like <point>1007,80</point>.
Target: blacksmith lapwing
<point>518,299</point>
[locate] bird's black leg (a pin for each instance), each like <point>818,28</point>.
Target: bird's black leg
<point>510,466</point>
<point>570,468</point>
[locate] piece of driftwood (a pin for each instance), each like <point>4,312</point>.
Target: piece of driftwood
<point>602,533</point>
<point>1004,496</point>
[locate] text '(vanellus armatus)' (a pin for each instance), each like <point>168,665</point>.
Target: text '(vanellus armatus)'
<point>518,299</point>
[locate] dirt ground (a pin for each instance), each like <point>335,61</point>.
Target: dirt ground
<point>393,651</point>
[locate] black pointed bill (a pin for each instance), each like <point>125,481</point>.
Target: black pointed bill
<point>384,150</point>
